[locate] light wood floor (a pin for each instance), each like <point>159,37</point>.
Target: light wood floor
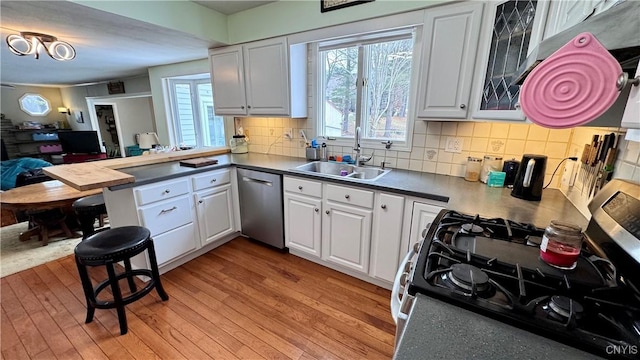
<point>241,300</point>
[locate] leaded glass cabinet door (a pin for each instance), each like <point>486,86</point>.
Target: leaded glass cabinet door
<point>511,30</point>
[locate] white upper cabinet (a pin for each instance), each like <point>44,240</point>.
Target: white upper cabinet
<point>449,46</point>
<point>262,78</point>
<point>510,30</point>
<point>227,77</point>
<point>564,14</point>
<point>631,117</point>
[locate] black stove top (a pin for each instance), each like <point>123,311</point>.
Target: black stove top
<point>492,266</point>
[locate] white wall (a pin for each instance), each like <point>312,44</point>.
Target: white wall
<point>74,97</point>
<point>136,116</point>
<point>10,106</point>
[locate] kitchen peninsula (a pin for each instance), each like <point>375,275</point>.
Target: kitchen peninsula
<point>199,206</point>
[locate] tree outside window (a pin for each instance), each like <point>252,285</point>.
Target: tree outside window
<point>383,69</point>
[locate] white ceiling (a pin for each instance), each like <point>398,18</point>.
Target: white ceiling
<point>108,46</point>
<point>231,7</point>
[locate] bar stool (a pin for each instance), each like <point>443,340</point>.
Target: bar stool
<point>87,209</point>
<point>106,248</point>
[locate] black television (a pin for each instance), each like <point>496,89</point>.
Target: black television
<point>79,142</point>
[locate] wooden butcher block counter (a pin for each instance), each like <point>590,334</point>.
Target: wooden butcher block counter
<point>100,174</point>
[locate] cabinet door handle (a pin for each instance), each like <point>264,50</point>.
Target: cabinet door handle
<point>200,201</point>
<point>383,206</point>
<point>213,180</point>
<point>462,106</point>
<point>316,210</point>
<point>242,107</point>
<point>167,210</point>
<point>166,191</point>
<point>347,196</point>
<point>327,212</point>
<point>299,187</point>
<point>248,106</point>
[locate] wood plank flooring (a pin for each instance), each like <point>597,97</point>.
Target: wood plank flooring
<point>239,301</point>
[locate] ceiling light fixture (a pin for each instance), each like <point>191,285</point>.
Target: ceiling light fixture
<point>28,43</point>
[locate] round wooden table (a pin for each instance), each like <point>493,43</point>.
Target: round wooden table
<point>42,196</point>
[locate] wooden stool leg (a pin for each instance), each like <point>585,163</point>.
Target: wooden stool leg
<point>127,268</point>
<point>44,232</point>
<point>154,271</point>
<point>88,290</point>
<point>117,298</point>
<point>66,229</point>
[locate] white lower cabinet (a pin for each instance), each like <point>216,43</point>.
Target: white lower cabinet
<point>187,216</point>
<point>346,236</point>
<point>302,224</point>
<point>423,215</point>
<point>387,236</point>
<point>361,232</point>
<point>175,243</point>
<point>215,213</point>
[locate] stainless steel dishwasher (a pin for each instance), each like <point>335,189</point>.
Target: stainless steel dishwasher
<point>261,206</point>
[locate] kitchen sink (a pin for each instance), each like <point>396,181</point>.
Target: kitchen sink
<point>337,169</point>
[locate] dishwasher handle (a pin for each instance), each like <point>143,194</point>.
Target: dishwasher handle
<point>259,181</point>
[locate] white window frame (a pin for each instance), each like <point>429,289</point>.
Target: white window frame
<point>198,111</point>
<point>363,39</point>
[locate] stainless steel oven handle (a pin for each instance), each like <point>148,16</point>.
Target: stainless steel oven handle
<point>397,285</point>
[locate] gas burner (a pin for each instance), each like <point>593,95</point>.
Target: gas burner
<point>470,228</point>
<point>563,308</point>
<point>468,278</point>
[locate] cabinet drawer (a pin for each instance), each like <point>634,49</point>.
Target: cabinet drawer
<point>348,195</point>
<point>304,187</point>
<point>166,215</point>
<point>165,190</point>
<point>210,179</point>
<point>175,243</point>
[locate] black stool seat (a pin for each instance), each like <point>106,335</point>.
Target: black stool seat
<point>107,248</point>
<point>87,209</point>
<point>113,245</point>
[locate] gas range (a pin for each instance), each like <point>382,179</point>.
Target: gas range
<point>492,266</point>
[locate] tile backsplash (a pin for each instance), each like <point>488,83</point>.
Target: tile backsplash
<point>429,139</point>
<point>626,166</point>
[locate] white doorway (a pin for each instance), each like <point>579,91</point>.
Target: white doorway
<point>108,129</point>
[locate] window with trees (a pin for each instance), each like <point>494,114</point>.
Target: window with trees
<point>194,123</point>
<point>365,82</point>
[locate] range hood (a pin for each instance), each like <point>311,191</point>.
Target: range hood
<point>618,29</point>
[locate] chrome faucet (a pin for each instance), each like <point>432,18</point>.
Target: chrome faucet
<point>356,146</point>
<point>359,159</point>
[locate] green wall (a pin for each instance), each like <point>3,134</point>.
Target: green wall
<point>292,16</point>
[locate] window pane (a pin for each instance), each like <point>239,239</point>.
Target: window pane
<point>186,124</point>
<point>339,91</point>
<point>212,126</point>
<point>34,104</point>
<point>509,43</point>
<point>386,95</point>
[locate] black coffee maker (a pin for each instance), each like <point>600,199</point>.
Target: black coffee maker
<point>530,177</point>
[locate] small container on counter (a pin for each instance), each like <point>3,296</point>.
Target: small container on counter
<point>496,179</point>
<point>561,244</point>
<point>472,172</point>
<point>490,163</point>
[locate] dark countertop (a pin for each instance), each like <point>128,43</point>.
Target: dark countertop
<point>437,330</point>
<point>458,194</point>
